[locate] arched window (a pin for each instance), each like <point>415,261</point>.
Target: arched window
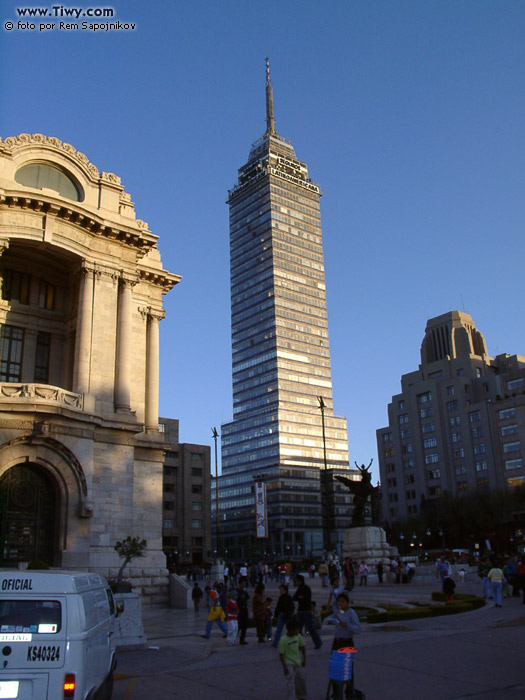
<point>40,175</point>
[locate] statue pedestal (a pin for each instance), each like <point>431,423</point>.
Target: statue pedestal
<point>367,543</point>
<point>217,569</point>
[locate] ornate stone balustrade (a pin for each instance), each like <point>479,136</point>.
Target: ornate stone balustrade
<point>34,393</point>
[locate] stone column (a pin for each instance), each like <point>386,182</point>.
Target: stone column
<point>82,370</point>
<point>123,360</point>
<point>152,371</point>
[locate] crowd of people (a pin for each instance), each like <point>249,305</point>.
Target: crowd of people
<point>228,606</point>
<point>237,578</point>
<point>353,572</point>
<point>502,577</point>
<point>283,621</point>
<point>255,572</point>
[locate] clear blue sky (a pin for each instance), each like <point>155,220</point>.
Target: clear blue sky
<point>410,115</point>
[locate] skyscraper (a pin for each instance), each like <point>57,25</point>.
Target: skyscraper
<point>281,359</point>
<point>458,424</point>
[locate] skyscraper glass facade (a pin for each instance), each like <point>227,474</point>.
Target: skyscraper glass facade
<point>280,353</point>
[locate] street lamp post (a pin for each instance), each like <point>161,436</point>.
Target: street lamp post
<point>217,542</point>
<point>324,492</point>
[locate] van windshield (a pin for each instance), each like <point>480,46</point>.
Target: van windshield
<point>35,616</point>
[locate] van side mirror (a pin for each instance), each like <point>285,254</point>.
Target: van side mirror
<point>119,608</point>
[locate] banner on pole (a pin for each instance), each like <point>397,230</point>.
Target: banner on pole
<point>260,510</point>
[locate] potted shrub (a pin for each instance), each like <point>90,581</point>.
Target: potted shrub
<point>128,549</point>
<point>37,564</point>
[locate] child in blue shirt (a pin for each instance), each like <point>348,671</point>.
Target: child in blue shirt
<point>347,624</point>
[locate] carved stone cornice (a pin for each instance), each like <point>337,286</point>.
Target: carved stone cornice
<point>135,234</point>
<point>15,142</point>
<point>110,177</point>
<point>115,224</point>
<point>159,278</point>
<point>139,238</point>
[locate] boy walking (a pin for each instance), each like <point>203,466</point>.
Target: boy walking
<point>292,653</point>
<point>347,624</point>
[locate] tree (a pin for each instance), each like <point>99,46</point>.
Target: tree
<point>129,549</point>
<point>466,519</point>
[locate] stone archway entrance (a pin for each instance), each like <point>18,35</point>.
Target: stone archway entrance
<point>29,503</point>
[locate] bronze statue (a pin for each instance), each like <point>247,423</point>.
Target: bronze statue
<point>363,491</point>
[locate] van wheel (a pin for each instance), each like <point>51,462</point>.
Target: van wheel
<point>106,689</point>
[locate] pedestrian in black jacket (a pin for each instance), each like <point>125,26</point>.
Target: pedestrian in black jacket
<point>303,596</point>
<point>242,601</point>
<point>196,596</point>
<point>283,611</point>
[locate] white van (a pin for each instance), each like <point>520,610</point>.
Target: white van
<point>56,636</point>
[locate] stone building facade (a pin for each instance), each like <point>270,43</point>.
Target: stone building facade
<point>458,423</point>
<point>82,282</point>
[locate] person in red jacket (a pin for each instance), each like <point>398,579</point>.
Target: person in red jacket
<point>232,613</point>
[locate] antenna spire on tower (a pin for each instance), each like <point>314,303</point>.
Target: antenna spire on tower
<point>270,121</point>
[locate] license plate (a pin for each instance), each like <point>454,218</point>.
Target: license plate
<point>8,689</point>
<point>39,652</point>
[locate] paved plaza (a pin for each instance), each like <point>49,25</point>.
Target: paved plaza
<point>476,655</point>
